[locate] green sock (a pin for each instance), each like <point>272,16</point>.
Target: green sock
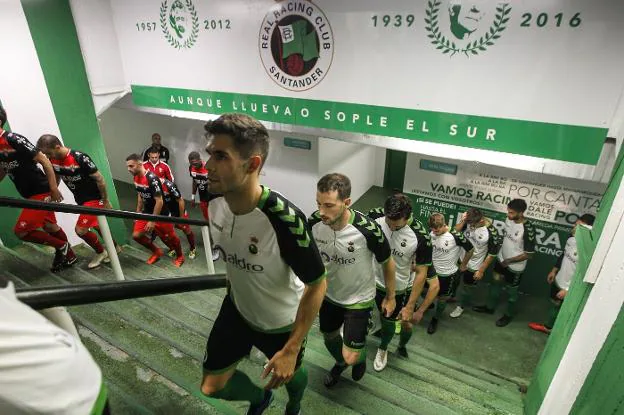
<point>406,335</point>
<point>334,346</point>
<point>241,388</point>
<point>467,295</point>
<point>295,389</point>
<point>362,356</point>
<point>513,299</point>
<point>494,294</point>
<point>387,332</point>
<point>552,315</point>
<point>440,308</point>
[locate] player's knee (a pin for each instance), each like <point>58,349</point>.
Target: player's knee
<point>350,357</point>
<point>212,384</point>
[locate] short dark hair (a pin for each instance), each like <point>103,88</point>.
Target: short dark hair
<point>335,181</point>
<point>133,157</point>
<point>3,117</point>
<point>156,134</point>
<point>588,219</point>
<point>249,136</point>
<point>474,216</point>
<point>519,205</point>
<point>398,206</point>
<point>153,150</point>
<point>194,155</point>
<point>436,220</point>
<point>48,141</point>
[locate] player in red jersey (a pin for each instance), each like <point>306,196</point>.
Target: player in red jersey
<point>85,181</point>
<point>175,204</point>
<point>199,174</point>
<point>150,200</point>
<point>18,160</point>
<point>157,166</point>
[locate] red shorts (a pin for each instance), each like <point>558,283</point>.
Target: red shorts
<point>161,228</point>
<point>31,219</point>
<point>89,221</point>
<point>204,209</point>
<point>184,227</point>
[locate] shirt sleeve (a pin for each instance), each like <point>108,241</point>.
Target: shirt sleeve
<point>22,145</point>
<point>85,163</point>
<point>313,220</point>
<point>174,191</point>
<point>461,240</point>
<point>424,250</point>
<point>376,213</point>
<point>154,185</point>
<point>168,172</point>
<point>297,247</point>
<point>494,242</point>
<point>375,239</point>
<point>529,237</point>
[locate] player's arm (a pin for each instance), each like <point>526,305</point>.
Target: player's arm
<point>420,265</point>
<point>158,204</point>
<point>494,244</point>
<point>302,255</point>
<point>463,242</point>
<point>553,272</point>
<point>461,225</point>
<point>432,293</point>
<point>50,175</point>
<point>139,207</point>
<point>101,185</point>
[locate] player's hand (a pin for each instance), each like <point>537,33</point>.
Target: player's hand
<point>406,314</point>
<point>418,316</point>
<point>561,294</point>
<point>56,196</point>
<point>107,204</point>
<point>551,277</point>
<point>462,267</point>
<point>388,305</point>
<point>504,264</point>
<point>478,275</point>
<point>464,216</point>
<point>281,367</point>
<point>149,227</point>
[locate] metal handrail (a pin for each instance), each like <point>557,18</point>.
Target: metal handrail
<point>123,214</point>
<point>80,294</point>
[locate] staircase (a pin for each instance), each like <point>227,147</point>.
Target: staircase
<point>150,351</point>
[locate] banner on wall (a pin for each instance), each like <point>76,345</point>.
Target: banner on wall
<point>482,74</point>
<point>451,187</point>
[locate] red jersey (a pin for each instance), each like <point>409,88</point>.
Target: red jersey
<point>160,169</point>
<point>200,178</point>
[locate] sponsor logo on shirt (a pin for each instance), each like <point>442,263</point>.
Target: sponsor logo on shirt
<point>239,262</point>
<point>9,165</point>
<point>337,259</point>
<point>398,253</point>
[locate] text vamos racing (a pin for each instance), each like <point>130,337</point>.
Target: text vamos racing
<point>296,45</point>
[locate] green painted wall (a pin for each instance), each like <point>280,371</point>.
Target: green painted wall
<point>54,34</point>
<point>571,311</point>
<point>394,174</point>
<point>603,391</point>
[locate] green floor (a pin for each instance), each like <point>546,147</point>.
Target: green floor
<point>151,349</point>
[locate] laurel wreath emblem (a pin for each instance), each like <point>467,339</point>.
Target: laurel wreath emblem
<point>194,28</point>
<point>480,45</point>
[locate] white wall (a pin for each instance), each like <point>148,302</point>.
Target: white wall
<point>363,164</point>
<point>100,51</point>
<point>25,95</point>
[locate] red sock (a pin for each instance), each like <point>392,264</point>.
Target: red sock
<point>173,242</point>
<point>93,241</point>
<point>146,242</point>
<point>43,238</point>
<point>191,239</point>
<point>60,234</point>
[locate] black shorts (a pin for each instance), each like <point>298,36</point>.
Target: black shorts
<point>231,339</point>
<point>554,290</point>
<point>448,284</point>
<point>401,300</point>
<point>512,278</point>
<point>468,277</point>
<point>356,323</point>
